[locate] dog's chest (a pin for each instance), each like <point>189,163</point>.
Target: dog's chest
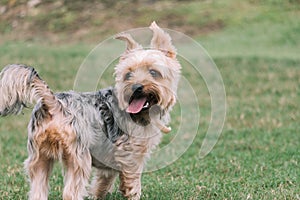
<point>101,127</point>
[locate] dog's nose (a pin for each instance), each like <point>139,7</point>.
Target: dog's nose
<point>137,87</point>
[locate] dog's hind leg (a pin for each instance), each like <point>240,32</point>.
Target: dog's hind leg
<point>39,169</point>
<point>78,168</point>
<point>103,183</point>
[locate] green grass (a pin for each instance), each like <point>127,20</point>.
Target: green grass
<point>257,155</point>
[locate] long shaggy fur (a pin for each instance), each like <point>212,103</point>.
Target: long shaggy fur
<point>113,129</point>
<point>20,85</point>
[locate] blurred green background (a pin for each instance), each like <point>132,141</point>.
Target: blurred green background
<point>256,46</point>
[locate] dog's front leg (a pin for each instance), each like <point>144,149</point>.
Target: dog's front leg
<point>103,183</point>
<point>130,185</point>
<point>130,155</point>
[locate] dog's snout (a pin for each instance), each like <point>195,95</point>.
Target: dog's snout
<point>137,87</point>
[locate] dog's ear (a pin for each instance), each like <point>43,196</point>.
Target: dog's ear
<point>162,41</point>
<point>131,43</point>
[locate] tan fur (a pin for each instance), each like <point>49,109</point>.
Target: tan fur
<point>162,41</point>
<point>131,44</point>
<point>103,183</point>
<point>25,86</point>
<point>72,131</point>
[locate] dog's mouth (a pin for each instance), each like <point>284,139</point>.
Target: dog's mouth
<point>141,102</point>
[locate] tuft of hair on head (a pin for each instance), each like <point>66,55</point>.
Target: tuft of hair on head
<point>162,41</point>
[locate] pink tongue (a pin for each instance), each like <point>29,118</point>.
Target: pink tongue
<point>136,105</point>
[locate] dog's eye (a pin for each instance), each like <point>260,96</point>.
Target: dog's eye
<point>154,73</point>
<point>128,75</point>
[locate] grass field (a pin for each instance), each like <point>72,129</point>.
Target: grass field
<point>257,155</point>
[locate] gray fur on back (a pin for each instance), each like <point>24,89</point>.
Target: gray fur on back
<point>96,119</point>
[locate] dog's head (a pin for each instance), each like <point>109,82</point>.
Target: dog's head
<point>147,77</point>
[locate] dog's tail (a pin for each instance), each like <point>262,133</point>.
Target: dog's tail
<point>21,85</point>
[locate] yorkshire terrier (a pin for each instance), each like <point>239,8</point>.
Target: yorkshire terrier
<point>114,129</point>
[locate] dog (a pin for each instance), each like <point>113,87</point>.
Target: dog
<point>112,130</point>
